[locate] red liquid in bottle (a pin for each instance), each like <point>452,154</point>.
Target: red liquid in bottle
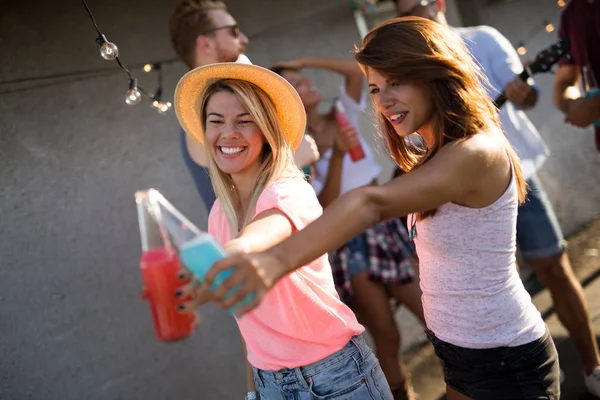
<point>356,153</point>
<point>160,267</point>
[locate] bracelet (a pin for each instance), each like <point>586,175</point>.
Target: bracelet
<point>251,396</point>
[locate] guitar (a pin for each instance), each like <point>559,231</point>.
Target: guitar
<point>543,62</point>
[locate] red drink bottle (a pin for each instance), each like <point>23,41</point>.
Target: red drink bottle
<point>356,153</point>
<point>160,266</point>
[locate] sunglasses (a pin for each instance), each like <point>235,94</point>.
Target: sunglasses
<point>417,9</point>
<point>234,30</point>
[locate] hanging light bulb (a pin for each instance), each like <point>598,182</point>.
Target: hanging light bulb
<point>148,67</point>
<point>561,3</point>
<point>521,49</point>
<point>549,27</point>
<point>133,95</point>
<point>108,50</point>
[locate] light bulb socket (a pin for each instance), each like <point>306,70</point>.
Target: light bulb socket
<point>132,83</point>
<point>158,94</point>
<point>100,40</point>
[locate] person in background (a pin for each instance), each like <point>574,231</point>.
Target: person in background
<point>203,32</point>
<point>539,236</point>
<point>376,264</point>
<point>580,24</point>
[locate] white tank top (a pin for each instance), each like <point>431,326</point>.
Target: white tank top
<point>473,296</point>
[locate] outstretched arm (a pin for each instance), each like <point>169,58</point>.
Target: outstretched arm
<point>425,188</point>
<point>455,172</point>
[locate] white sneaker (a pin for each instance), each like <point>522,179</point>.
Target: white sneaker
<point>592,382</point>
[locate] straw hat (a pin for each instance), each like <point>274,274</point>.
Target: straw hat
<point>290,110</point>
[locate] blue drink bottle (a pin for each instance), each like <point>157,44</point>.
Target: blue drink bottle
<point>198,250</point>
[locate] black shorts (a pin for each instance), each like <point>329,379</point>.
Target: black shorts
<point>529,371</point>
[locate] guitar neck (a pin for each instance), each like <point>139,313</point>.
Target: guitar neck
<point>500,100</point>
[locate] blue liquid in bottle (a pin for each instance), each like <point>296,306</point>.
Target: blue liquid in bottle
<point>199,255</point>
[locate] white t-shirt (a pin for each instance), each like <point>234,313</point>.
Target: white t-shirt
<point>354,174</point>
<point>500,63</point>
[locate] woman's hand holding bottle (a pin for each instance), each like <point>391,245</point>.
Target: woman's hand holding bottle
<point>346,139</point>
<point>255,273</point>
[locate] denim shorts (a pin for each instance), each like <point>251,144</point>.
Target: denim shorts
<point>525,372</point>
<point>352,373</point>
<point>538,232</point>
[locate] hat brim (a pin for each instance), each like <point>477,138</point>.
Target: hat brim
<point>289,107</point>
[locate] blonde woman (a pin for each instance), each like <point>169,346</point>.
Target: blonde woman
<point>302,342</point>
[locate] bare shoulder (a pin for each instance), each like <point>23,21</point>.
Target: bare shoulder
<point>477,154</point>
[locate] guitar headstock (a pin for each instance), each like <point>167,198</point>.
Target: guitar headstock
<point>545,59</point>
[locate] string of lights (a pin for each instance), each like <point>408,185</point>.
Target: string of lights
<point>88,73</point>
<point>548,27</point>
<point>109,51</point>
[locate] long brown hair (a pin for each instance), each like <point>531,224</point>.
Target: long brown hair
<point>426,53</point>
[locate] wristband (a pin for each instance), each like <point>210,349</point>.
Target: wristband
<point>251,396</point>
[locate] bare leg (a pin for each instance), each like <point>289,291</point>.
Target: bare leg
<point>371,302</point>
<point>410,296</point>
<point>556,274</point>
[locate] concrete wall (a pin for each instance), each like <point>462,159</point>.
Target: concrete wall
<point>71,156</point>
<point>72,325</point>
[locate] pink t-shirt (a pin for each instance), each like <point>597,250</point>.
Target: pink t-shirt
<point>301,320</point>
